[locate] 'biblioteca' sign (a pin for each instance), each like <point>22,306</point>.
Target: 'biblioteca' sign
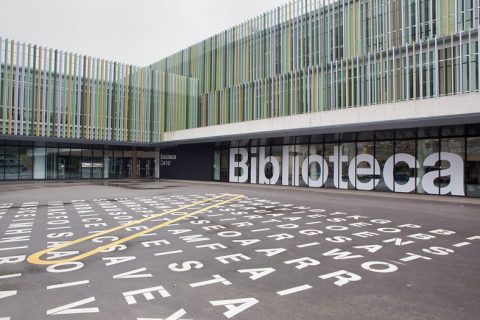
<point>364,170</point>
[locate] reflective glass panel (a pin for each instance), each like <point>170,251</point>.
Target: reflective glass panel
<point>473,167</point>
<point>52,159</point>
<point>383,151</point>
<point>403,172</point>
<point>12,163</point>
<point>428,150</point>
<point>97,162</point>
<point>2,162</point>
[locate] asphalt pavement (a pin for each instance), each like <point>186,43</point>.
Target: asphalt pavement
<point>176,250</point>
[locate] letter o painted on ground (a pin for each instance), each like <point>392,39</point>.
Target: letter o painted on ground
<point>123,217</point>
<point>389,230</point>
<point>336,228</point>
<point>178,213</point>
<point>55,222</point>
<point>229,234</point>
<point>379,266</point>
<point>65,267</point>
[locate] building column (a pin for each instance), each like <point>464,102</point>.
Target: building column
<point>134,163</point>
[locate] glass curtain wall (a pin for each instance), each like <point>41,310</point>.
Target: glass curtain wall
<point>24,161</point>
<point>86,163</point>
<point>97,163</point>
<point>25,158</point>
<point>76,167</point>
<point>2,162</point>
<point>384,147</point>
<point>423,160</point>
<point>404,172</point>
<point>316,170</point>
<point>301,154</point>
<point>12,162</point>
<point>52,163</point>
<point>145,164</point>
<point>473,166</point>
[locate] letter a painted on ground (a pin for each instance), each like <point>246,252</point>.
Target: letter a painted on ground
<point>235,306</point>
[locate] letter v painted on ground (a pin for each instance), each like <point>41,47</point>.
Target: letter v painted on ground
<point>69,308</point>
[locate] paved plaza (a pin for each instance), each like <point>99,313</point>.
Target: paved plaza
<point>176,250</point>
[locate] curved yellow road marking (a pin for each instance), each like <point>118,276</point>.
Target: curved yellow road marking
<point>35,258</point>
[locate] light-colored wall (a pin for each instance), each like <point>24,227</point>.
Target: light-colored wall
<point>421,112</point>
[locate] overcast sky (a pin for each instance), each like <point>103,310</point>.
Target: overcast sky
<point>132,31</point>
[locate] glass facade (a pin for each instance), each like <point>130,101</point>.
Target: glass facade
<point>305,56</point>
<point>434,160</point>
<point>25,161</point>
<point>473,166</point>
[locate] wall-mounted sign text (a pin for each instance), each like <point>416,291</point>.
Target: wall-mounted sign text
<point>437,173</point>
<point>166,159</point>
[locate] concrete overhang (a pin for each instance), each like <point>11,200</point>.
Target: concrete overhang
<point>447,110</point>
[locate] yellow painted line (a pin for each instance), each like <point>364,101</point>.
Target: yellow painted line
<point>35,258</point>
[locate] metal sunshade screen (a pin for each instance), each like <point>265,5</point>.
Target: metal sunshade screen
<point>51,93</point>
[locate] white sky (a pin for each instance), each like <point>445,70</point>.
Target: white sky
<point>131,31</point>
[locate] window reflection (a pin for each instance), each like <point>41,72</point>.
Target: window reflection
<point>457,147</point>
<point>63,163</point>
<point>12,164</point>
<point>427,147</point>
<point>402,172</point>
<point>329,151</point>
<point>52,159</point>
<point>368,180</point>
<point>408,164</point>
<point>75,163</point>
<point>383,151</point>
<point>301,155</point>
<point>473,167</point>
<point>348,150</point>
<point>2,162</point>
<point>97,162</point>
<point>86,163</point>
<point>315,172</point>
<point>25,158</point>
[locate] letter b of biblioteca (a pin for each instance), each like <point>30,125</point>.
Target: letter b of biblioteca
<point>238,171</point>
